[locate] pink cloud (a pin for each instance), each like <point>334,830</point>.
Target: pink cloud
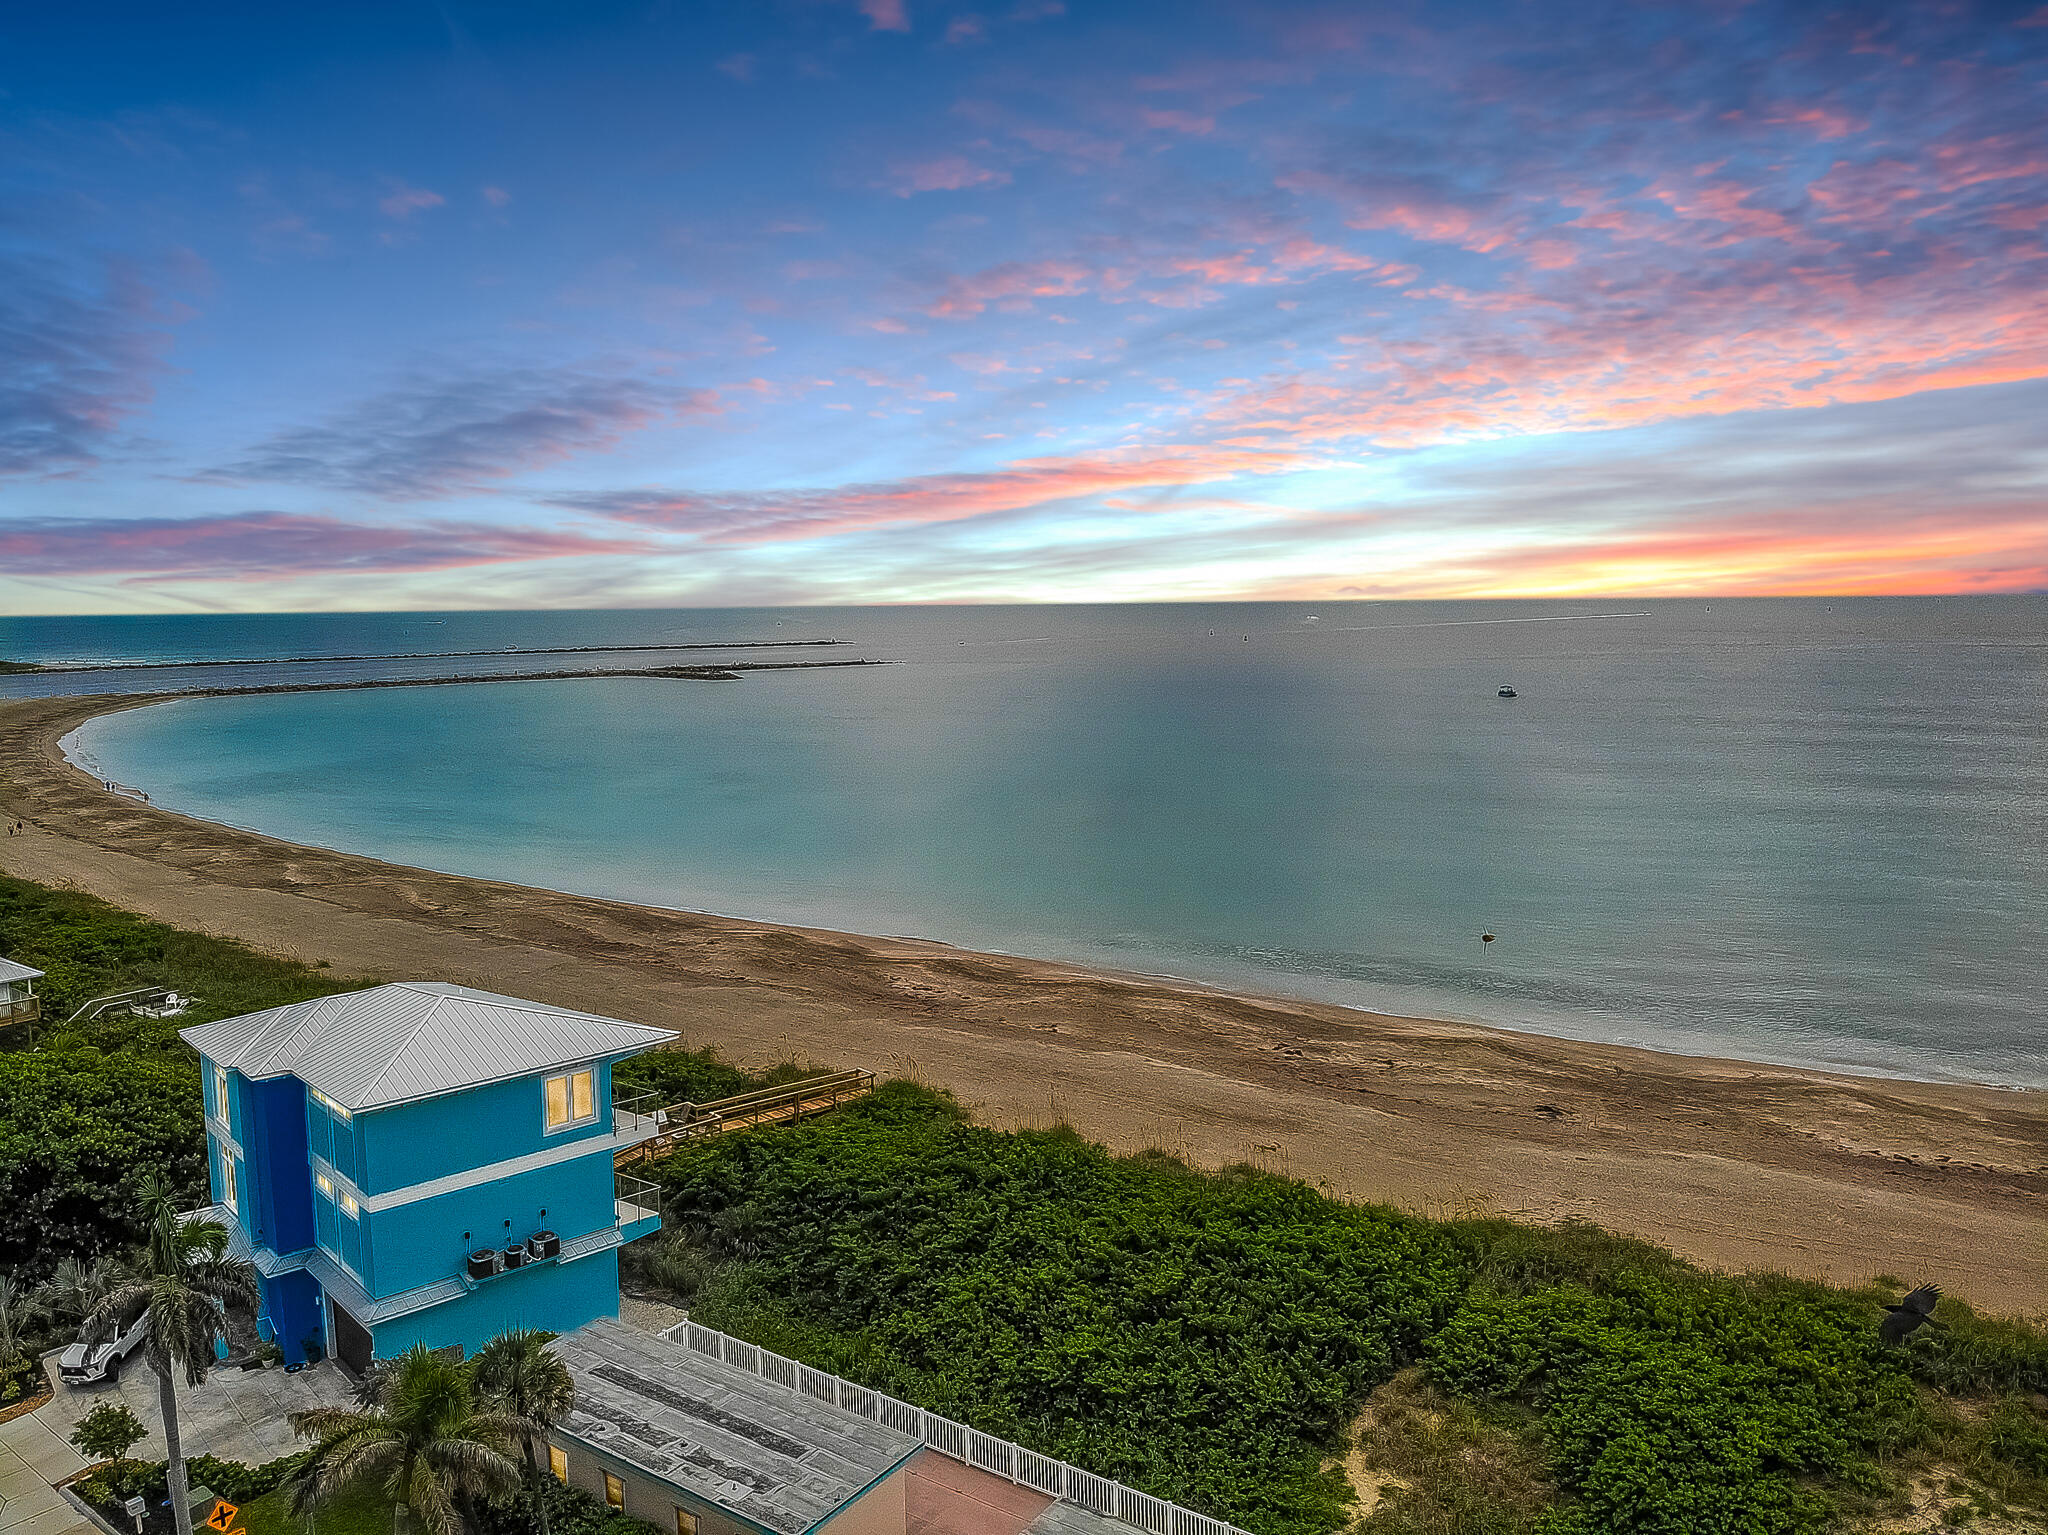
<point>886,15</point>
<point>251,545</point>
<point>1194,123</point>
<point>403,201</point>
<point>1014,284</point>
<point>1871,549</point>
<point>776,516</point>
<point>947,173</point>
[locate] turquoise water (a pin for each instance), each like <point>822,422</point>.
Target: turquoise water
<point>1807,831</point>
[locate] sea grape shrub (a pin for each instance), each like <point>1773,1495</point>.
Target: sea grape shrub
<point>680,1076</point>
<point>1202,1337</point>
<point>78,1129</point>
<point>1687,1402</point>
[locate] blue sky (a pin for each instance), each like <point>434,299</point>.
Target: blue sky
<point>900,301</point>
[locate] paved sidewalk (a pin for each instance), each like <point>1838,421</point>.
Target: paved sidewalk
<point>237,1415</point>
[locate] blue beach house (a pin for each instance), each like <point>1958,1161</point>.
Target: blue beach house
<point>422,1163</point>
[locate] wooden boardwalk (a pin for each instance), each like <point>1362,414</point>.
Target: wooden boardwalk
<point>784,1104</point>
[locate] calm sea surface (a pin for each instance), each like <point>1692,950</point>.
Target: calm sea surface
<point>1806,831</point>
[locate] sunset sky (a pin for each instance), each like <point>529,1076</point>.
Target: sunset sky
<point>852,301</point>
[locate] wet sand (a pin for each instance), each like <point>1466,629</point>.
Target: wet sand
<point>1730,1163</point>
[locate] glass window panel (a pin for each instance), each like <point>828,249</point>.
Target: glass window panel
<point>615,1492</point>
<point>558,1462</point>
<point>558,1102</point>
<point>586,1106</point>
<point>686,1522</point>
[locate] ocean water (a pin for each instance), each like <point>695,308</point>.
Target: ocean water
<point>1809,831</point>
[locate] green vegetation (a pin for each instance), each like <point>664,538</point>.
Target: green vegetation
<point>108,1432</point>
<point>10,668</point>
<point>1233,1341</point>
<point>361,1510</point>
<point>1215,1338</point>
<point>96,1107</point>
<point>422,1434</point>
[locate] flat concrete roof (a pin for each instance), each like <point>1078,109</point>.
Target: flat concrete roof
<point>774,1457</point>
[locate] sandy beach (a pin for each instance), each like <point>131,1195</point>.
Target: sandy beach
<point>1730,1163</point>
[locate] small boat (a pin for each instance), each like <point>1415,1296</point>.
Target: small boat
<point>1507,693</point>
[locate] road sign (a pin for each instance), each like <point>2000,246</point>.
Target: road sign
<point>223,1516</point>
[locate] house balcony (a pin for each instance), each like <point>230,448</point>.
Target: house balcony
<point>636,1115</point>
<point>21,1010</point>
<point>636,1204</point>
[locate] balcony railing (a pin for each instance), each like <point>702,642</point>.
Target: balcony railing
<point>633,1113</point>
<point>783,1104</point>
<point>635,1199</point>
<point>26,1010</point>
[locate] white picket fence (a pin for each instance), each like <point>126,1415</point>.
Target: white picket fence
<point>985,1452</point>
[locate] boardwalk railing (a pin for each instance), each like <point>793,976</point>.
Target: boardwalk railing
<point>758,1106</point>
<point>985,1452</point>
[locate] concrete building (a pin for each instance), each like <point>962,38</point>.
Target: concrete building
<point>697,1446</point>
<point>422,1163</point>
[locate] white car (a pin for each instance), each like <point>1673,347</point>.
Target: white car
<point>83,1366</point>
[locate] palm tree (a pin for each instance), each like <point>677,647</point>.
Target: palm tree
<point>188,1281</point>
<point>421,1436</point>
<point>19,1310</point>
<point>516,1374</point>
<point>75,1291</point>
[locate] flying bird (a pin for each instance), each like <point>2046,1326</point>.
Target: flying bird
<point>1910,1315</point>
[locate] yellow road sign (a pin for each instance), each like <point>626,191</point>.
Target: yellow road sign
<point>223,1516</point>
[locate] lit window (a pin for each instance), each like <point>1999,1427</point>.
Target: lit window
<point>686,1522</point>
<point>571,1099</point>
<point>227,1182</point>
<point>558,1462</point>
<point>615,1492</point>
<point>326,1184</point>
<point>220,1094</point>
<point>330,1105</point>
<point>349,1205</point>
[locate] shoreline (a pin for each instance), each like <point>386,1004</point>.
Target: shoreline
<point>1247,987</point>
<point>1732,1163</point>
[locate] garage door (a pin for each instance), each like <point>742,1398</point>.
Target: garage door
<point>351,1340</point>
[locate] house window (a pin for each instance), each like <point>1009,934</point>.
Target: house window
<point>220,1094</point>
<point>326,1184</point>
<point>558,1462</point>
<point>228,1195</point>
<point>572,1099</point>
<point>349,1206</point>
<point>330,1105</point>
<point>615,1492</point>
<point>686,1522</point>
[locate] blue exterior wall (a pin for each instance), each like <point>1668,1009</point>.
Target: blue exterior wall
<point>232,1112</point>
<point>279,1201</point>
<point>417,1142</point>
<point>427,1239</point>
<point>287,1133</point>
<point>291,1314</point>
<point>555,1296</point>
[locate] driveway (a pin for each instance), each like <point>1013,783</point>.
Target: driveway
<point>237,1415</point>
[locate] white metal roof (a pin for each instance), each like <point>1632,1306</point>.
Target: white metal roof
<point>412,1039</point>
<point>10,971</point>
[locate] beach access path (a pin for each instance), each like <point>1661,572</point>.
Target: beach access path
<point>1730,1163</point>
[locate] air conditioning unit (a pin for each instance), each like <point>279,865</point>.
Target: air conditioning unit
<point>485,1262</point>
<point>544,1244</point>
<point>516,1256</point>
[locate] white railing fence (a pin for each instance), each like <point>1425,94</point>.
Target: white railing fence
<point>999,1457</point>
